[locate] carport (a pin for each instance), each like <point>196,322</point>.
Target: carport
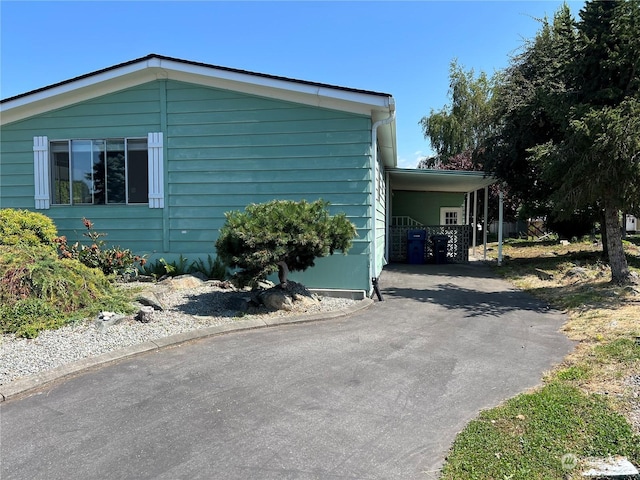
<point>441,202</point>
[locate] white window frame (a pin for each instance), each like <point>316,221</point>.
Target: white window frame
<point>446,210</point>
<point>42,171</point>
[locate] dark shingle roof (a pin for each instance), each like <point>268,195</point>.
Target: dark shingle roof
<point>199,64</point>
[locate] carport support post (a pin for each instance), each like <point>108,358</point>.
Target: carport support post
<point>468,209</point>
<point>475,220</point>
<point>485,230</point>
<point>500,215</point>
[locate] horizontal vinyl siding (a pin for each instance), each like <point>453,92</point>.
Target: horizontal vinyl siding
<point>223,151</point>
<point>424,206</point>
<point>131,113</point>
<point>135,227</point>
<point>16,169</point>
<point>227,150</point>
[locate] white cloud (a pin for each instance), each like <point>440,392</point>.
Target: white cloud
<point>410,161</point>
<point>404,163</point>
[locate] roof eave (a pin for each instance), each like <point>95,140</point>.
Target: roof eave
<point>152,68</point>
<point>454,181</point>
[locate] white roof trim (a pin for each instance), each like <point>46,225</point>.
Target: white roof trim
<point>426,180</point>
<point>152,68</point>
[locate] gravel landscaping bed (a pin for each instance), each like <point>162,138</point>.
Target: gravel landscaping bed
<point>185,310</point>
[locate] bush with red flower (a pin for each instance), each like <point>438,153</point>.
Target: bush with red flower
<point>111,260</point>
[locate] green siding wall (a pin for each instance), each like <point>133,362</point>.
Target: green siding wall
<point>226,150</point>
<point>131,113</point>
<point>424,206</point>
<point>223,150</point>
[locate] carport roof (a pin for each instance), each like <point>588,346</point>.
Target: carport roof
<point>424,180</point>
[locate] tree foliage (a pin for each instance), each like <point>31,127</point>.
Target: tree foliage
<point>465,123</point>
<point>457,132</point>
<point>529,110</point>
<point>567,112</point>
<point>295,233</point>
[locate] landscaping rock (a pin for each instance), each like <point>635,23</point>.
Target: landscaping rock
<point>265,284</point>
<point>145,314</point>
<point>221,284</point>
<point>150,299</point>
<point>611,467</point>
<point>305,300</point>
<point>182,282</point>
<point>542,275</point>
<point>276,299</point>
<point>294,295</point>
<point>106,319</point>
<point>577,273</point>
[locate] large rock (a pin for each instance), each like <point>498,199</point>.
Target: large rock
<point>294,295</point>
<point>106,319</point>
<point>276,299</point>
<point>182,282</point>
<point>305,300</point>
<point>145,314</point>
<point>150,298</point>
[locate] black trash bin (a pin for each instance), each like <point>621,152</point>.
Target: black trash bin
<point>439,245</point>
<point>416,242</point>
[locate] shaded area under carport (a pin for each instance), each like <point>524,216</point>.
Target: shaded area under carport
<point>468,288</point>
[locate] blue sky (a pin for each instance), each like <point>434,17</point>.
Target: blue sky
<point>401,48</point>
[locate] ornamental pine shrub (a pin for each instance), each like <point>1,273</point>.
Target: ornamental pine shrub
<point>40,291</point>
<point>22,227</point>
<point>295,233</point>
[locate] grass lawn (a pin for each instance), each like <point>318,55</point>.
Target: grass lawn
<point>590,404</point>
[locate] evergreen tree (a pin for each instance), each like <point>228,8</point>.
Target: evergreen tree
<point>281,236</point>
<point>569,113</point>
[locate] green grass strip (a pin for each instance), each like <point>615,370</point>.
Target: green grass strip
<point>527,437</point>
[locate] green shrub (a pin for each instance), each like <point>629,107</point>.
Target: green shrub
<point>22,227</point>
<point>97,255</point>
<point>39,291</point>
<point>29,316</point>
<point>295,233</point>
<point>213,269</point>
<point>161,267</point>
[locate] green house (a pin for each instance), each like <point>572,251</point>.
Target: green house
<point>154,151</point>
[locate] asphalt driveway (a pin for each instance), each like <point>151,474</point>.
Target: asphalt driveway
<point>377,395</point>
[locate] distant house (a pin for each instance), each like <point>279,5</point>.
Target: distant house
<point>155,150</point>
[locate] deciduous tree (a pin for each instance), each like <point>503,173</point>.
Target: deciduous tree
<point>462,125</point>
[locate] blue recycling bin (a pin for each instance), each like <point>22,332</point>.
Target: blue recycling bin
<point>416,242</point>
<point>439,245</point>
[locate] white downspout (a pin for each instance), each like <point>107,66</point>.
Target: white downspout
<point>374,179</point>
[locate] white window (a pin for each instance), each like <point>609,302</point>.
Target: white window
<point>99,171</point>
<point>450,216</point>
